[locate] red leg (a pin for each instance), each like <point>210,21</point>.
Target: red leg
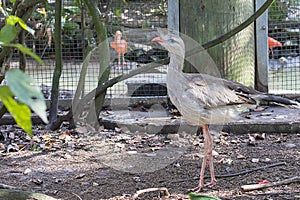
<point>119,60</point>
<point>123,59</point>
<point>208,147</point>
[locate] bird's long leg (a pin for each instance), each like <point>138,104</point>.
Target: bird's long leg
<point>123,59</point>
<point>119,60</point>
<point>208,147</point>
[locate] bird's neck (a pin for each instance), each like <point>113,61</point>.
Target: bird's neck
<point>176,62</point>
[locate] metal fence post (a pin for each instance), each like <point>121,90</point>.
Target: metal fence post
<point>173,15</point>
<point>261,72</point>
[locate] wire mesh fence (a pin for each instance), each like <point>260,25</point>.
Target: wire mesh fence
<point>135,19</point>
<point>284,35</point>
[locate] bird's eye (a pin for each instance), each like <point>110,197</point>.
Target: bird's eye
<point>171,40</point>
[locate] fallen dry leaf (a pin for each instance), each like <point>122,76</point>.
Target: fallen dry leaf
<point>240,156</point>
<point>46,137</point>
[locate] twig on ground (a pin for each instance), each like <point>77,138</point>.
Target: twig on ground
<point>3,186</point>
<point>139,192</point>
<point>250,170</point>
<point>236,174</point>
<point>277,183</point>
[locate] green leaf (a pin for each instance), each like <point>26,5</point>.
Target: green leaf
<point>25,27</point>
<point>118,12</point>
<point>22,87</point>
<point>195,196</point>
<point>19,111</point>
<point>25,50</point>
<point>8,33</point>
<point>12,20</point>
<point>72,9</point>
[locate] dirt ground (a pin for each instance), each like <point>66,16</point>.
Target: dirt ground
<point>115,164</point>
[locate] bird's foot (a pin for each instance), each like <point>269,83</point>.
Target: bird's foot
<point>196,189</point>
<point>201,186</point>
<point>118,67</point>
<point>211,184</point>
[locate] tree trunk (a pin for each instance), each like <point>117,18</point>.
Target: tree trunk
<point>58,63</point>
<point>206,20</point>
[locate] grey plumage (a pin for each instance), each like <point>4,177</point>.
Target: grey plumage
<point>203,99</point>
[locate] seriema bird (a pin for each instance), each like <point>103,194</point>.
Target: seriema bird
<point>203,99</point>
<point>120,46</point>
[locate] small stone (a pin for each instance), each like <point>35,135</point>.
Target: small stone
<point>95,184</point>
<point>67,156</point>
<point>136,178</point>
<point>255,160</point>
<point>27,171</point>
<point>11,135</point>
<point>214,153</point>
<point>177,164</point>
<point>132,152</point>
<point>233,141</point>
<point>267,160</point>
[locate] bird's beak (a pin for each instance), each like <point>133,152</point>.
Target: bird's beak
<point>157,39</point>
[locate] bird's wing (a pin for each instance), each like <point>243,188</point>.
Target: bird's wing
<point>125,43</point>
<point>214,92</point>
<point>113,44</point>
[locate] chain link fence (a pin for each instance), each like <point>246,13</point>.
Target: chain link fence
<point>136,19</point>
<point>284,35</point>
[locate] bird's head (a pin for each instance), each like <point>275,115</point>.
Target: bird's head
<point>118,35</point>
<point>171,41</point>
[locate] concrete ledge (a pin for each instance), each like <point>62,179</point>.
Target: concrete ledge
<point>272,120</point>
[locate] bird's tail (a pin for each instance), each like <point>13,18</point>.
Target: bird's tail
<point>260,98</point>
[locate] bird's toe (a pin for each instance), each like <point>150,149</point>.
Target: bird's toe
<point>196,189</point>
<point>211,184</point>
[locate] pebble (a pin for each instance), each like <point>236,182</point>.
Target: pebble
<point>27,171</point>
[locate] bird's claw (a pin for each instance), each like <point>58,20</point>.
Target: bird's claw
<point>200,186</point>
<point>196,189</point>
<point>211,184</point>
